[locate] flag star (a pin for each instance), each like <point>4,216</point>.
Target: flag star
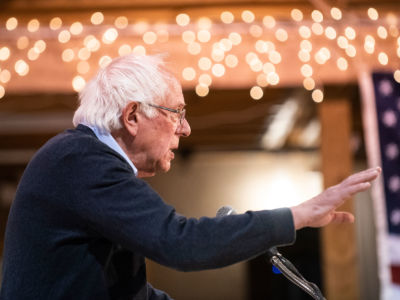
<point>394,183</point>
<point>385,87</point>
<point>395,217</point>
<point>389,118</point>
<point>391,151</point>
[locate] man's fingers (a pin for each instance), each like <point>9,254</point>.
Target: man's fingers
<point>360,187</point>
<point>340,217</point>
<point>366,175</point>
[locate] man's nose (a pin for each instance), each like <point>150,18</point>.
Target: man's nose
<point>184,128</point>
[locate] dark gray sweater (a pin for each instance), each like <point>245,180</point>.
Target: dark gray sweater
<point>82,223</point>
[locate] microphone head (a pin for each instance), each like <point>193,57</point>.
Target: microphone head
<point>225,211</point>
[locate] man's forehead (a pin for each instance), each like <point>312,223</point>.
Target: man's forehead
<point>175,94</point>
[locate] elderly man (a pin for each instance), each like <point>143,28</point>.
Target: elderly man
<point>83,221</point>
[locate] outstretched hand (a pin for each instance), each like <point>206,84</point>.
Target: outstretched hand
<point>321,210</point>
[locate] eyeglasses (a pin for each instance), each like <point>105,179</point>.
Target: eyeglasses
<point>181,112</point>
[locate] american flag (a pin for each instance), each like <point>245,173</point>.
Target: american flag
<point>387,100</point>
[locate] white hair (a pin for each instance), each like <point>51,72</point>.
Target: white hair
<point>128,78</point>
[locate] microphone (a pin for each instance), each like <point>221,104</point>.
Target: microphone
<point>281,263</point>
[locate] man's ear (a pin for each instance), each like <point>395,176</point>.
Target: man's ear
<point>130,117</point>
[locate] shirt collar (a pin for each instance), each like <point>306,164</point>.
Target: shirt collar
<point>106,137</point>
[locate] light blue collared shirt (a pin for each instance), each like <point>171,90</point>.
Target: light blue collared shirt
<point>108,139</point>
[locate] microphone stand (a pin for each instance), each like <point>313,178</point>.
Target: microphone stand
<point>293,275</point>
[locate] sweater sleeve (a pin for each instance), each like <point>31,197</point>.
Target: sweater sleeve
<point>125,210</point>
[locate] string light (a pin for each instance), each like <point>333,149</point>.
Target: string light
<point>227,17</point>
<point>194,48</point>
<point>64,36</point>
<point>231,61</point>
<point>84,53</point>
<point>218,55</point>
<point>76,28</point>
<point>92,43</point>
<point>296,15</point>
<point>317,95</point>
<point>33,25</point>
<point>104,61</point>
<point>396,76</point>
<point>269,68</point>
<point>322,56</point>
<point>273,78</point>
<point>274,57</point>
<point>202,90</point>
<point>306,45</point>
<point>256,65</point>
<point>205,79</point>
<point>139,50</point>
<point>373,14</point>
<point>309,83</point>
<point>317,28</point>
<point>188,36</point>
<point>204,23</point>
<point>304,55</point>
<point>203,36</point>
<point>33,54</point>
<point>235,38</point>
<point>21,67</point>
<point>78,83</point>
<point>281,35</point>
<point>342,42</point>
<point>262,80</point>
<point>351,51</point>
<point>350,33</point>
<point>5,76</point>
<point>109,36</point>
<point>4,53</point>
<point>68,55</point>
<point>22,42</point>
<point>382,32</point>
<point>269,22</point>
<point>342,64</point>
<point>256,31</point>
<point>121,22</point>
<point>250,56</point>
<point>182,20</point>
<point>11,24</point>
<point>369,44</point>
<point>336,13</point>
<point>256,92</point>
<point>248,16</point>
<point>55,23</point>
<point>188,73</point>
<point>150,37</point>
<point>383,58</point>
<point>306,70</point>
<point>317,16</point>
<point>2,91</point>
<point>204,63</point>
<point>141,27</point>
<point>97,18</point>
<point>125,49</point>
<point>330,33</point>
<point>218,70</point>
<point>261,46</point>
<point>304,32</point>
<point>40,46</point>
<point>226,44</point>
